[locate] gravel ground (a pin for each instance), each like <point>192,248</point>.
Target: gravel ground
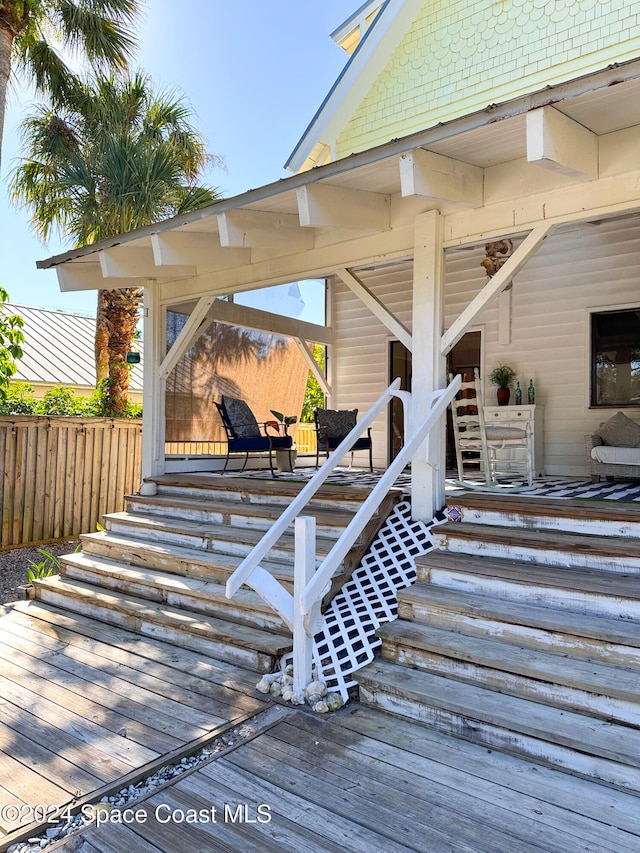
<point>15,562</point>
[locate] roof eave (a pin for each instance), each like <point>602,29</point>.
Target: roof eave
<point>491,114</point>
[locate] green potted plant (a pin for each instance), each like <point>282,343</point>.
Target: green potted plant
<point>285,459</point>
<point>503,376</point>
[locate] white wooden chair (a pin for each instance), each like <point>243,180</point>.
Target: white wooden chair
<point>471,435</point>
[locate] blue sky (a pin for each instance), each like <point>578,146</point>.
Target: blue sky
<point>254,73</point>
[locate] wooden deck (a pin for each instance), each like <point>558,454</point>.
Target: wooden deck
<point>363,781</point>
<point>86,707</point>
<point>83,704</point>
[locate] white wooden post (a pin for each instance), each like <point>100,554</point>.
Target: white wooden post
<point>153,394</point>
<point>303,571</point>
<point>428,365</point>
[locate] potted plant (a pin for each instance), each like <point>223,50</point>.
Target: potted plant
<point>503,376</point>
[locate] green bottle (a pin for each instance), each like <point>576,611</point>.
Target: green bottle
<point>531,393</point>
<point>518,394</point>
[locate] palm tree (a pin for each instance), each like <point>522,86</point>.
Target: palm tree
<point>96,30</point>
<point>117,157</point>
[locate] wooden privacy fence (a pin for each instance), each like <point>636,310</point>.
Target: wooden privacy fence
<point>61,474</point>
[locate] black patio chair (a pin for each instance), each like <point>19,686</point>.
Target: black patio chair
<point>333,426</point>
<point>244,435</point>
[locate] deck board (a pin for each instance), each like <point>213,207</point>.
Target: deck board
<point>360,780</point>
<point>142,723</point>
<point>84,705</point>
<point>490,801</point>
<point>117,644</point>
<point>132,683</point>
<point>476,762</point>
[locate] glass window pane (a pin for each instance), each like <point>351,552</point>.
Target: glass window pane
<point>615,358</point>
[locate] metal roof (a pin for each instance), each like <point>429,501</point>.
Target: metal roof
<point>58,348</point>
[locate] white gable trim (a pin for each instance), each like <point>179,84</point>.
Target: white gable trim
<point>356,19</point>
<point>360,73</point>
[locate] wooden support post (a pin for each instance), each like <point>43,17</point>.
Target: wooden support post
<point>504,316</point>
<point>428,365</point>
<point>303,571</point>
<point>153,394</point>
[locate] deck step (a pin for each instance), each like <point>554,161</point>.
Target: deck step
<point>600,593</point>
<point>174,559</point>
<point>254,490</point>
<point>330,523</point>
<point>252,648</point>
<point>601,690</point>
<point>553,736</point>
<point>585,637</point>
<point>551,547</point>
<point>607,518</point>
<point>218,538</point>
<point>201,596</point>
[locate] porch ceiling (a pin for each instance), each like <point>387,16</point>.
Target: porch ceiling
<point>286,230</point>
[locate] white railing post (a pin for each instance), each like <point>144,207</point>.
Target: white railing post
<point>304,568</point>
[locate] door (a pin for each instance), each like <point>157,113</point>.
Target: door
<point>463,358</point>
<point>399,366</point>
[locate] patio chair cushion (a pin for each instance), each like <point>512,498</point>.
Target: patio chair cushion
<point>616,455</point>
<point>262,442</point>
<point>336,424</point>
<point>241,419</point>
<point>620,431</point>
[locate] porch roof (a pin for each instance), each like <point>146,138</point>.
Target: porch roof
<point>289,229</point>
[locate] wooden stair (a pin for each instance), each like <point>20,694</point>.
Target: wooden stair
<point>522,633</point>
<point>160,567</point>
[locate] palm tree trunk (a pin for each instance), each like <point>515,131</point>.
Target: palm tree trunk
<point>101,343</point>
<point>122,318</point>
<point>6,44</point>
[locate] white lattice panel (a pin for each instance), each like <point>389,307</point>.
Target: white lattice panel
<point>347,641</point>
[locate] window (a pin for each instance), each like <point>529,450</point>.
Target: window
<point>615,358</point>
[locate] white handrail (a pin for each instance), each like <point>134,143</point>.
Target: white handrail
<point>252,560</point>
<point>314,590</point>
<point>302,610</point>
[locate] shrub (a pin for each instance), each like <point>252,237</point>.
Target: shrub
<point>19,400</point>
<point>61,401</point>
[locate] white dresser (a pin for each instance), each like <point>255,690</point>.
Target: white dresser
<point>513,458</point>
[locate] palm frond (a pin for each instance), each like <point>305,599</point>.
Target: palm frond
<point>49,72</point>
<point>99,30</point>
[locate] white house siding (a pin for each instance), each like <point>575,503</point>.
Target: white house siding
<point>591,267</point>
<point>594,266</point>
<point>360,369</point>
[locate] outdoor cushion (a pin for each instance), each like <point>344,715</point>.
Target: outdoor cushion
<point>620,431</point>
<point>616,455</point>
<point>263,442</point>
<point>360,443</point>
<point>241,418</point>
<point>496,433</point>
